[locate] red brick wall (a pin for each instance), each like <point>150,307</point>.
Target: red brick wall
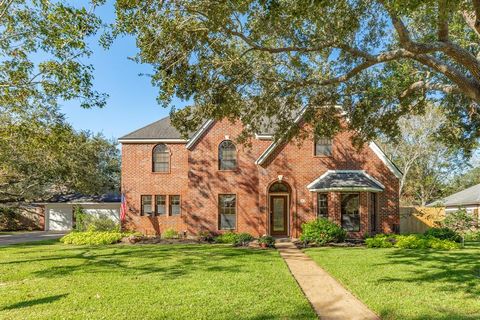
<point>195,177</point>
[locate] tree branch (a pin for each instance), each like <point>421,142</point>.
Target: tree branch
<point>442,20</point>
<point>423,85</point>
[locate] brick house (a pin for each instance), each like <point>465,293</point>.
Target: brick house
<point>209,183</point>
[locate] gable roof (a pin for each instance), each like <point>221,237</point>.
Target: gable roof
<point>345,180</point>
<point>373,146</point>
<point>468,196</point>
<point>159,130</point>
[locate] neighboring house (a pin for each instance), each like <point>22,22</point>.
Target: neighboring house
<point>58,212</point>
<point>209,183</point>
<point>469,199</point>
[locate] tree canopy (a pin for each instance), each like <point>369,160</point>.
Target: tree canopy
<point>43,46</point>
<point>42,156</point>
<point>258,60</point>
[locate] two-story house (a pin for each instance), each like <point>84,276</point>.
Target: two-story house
<point>209,183</point>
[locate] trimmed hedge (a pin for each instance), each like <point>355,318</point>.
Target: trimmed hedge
<point>413,241</point>
<point>443,234</point>
<point>322,231</point>
<point>93,237</point>
<point>237,239</point>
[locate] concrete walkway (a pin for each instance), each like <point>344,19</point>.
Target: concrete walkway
<point>28,236</point>
<point>330,300</point>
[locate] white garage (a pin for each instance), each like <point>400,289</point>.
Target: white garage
<point>59,212</point>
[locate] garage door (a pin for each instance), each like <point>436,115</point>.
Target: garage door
<point>60,219</point>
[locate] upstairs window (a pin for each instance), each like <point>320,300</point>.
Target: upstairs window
<point>322,205</point>
<point>227,211</point>
<point>323,147</point>
<point>161,158</point>
<point>227,155</point>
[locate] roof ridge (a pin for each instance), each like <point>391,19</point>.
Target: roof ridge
<point>145,126</point>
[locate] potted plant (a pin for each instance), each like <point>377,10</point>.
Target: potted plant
<point>266,241</point>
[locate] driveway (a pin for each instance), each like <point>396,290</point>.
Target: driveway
<point>28,236</point>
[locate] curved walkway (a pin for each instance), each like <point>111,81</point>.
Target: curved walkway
<point>329,298</point>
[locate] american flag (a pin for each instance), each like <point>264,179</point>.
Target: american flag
<point>123,208</point>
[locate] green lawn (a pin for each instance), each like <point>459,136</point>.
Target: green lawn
<point>53,281</point>
<point>409,284</point>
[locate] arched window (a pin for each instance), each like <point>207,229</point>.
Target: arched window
<point>227,155</point>
<point>161,158</point>
<point>279,187</point>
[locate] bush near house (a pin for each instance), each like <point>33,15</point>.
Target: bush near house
<point>93,237</point>
<point>413,241</point>
<point>322,231</point>
<point>444,234</point>
<point>237,239</point>
<point>227,237</point>
<point>267,241</point>
<point>170,234</point>
<point>87,222</point>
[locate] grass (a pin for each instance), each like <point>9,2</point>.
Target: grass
<point>53,281</point>
<point>409,284</point>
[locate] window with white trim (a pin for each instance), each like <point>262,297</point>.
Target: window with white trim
<point>350,209</point>
<point>227,211</point>
<point>227,155</point>
<point>160,205</point>
<point>161,158</point>
<point>146,205</point>
<point>323,146</point>
<point>175,205</point>
<point>322,205</point>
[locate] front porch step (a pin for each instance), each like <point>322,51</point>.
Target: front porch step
<point>282,239</point>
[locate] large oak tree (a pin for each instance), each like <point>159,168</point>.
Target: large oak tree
<point>259,60</point>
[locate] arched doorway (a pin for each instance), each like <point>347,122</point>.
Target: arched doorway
<point>279,204</point>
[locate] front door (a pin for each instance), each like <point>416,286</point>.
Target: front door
<point>278,215</point>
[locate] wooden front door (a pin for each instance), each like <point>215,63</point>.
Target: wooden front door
<point>278,215</point>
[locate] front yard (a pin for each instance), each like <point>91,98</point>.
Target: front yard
<point>409,284</point>
<point>51,281</point>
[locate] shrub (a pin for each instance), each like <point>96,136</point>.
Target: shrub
<point>322,231</point>
<point>93,237</point>
<point>205,236</point>
<point>472,236</point>
<point>443,234</point>
<point>413,241</point>
<point>243,239</point>
<point>380,241</point>
<point>268,241</point>
<point>88,222</point>
<point>170,234</point>
<point>227,237</point>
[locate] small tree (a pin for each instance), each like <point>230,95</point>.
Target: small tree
<point>459,221</point>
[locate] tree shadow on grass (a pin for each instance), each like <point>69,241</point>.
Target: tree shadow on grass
<point>456,270</point>
<point>168,261</point>
<point>33,302</point>
<point>388,314</point>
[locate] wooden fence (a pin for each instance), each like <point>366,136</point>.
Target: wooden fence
<point>419,219</point>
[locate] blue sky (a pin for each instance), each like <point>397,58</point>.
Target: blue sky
<point>131,104</point>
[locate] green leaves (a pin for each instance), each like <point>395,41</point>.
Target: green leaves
<point>262,61</point>
<point>41,155</point>
<point>43,47</point>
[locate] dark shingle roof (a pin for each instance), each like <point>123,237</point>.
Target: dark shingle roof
<point>468,196</point>
<point>345,180</point>
<point>82,198</point>
<point>161,129</point>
